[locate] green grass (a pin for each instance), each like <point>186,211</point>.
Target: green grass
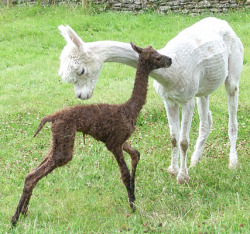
<point>87,195</point>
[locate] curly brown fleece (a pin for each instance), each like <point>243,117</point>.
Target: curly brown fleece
<point>111,124</point>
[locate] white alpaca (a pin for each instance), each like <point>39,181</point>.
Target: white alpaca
<point>204,56</point>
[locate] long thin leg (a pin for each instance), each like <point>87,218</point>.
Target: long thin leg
<point>60,154</point>
<point>125,174</point>
<point>232,96</point>
<point>235,64</point>
<point>187,114</point>
<point>135,157</point>
<point>172,110</point>
<point>31,180</point>
<point>204,129</point>
<point>26,203</point>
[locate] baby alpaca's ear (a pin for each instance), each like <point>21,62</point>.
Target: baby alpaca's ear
<point>71,36</point>
<point>136,48</point>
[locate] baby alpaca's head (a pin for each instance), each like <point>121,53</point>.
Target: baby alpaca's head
<point>152,58</point>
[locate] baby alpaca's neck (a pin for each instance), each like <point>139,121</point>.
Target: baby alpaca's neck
<point>139,94</point>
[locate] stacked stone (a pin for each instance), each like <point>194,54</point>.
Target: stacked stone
<point>184,6</point>
<point>161,6</point>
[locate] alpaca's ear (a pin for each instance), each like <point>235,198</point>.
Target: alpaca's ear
<point>70,36</point>
<point>136,48</point>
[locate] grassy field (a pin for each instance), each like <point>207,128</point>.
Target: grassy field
<point>87,195</point>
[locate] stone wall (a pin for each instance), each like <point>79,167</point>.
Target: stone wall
<point>160,6</point>
<point>184,6</point>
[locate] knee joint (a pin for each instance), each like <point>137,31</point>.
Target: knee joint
<point>184,145</point>
<point>138,155</point>
<point>28,182</point>
<point>174,142</point>
<point>125,178</point>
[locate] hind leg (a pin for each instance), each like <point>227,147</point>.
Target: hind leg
<point>232,95</point>
<point>235,64</point>
<point>60,154</point>
<point>31,180</point>
<point>135,157</point>
<point>26,203</point>
<point>204,129</point>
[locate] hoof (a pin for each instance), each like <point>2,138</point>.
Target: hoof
<point>182,178</point>
<point>193,163</point>
<point>132,205</point>
<point>24,210</point>
<point>173,171</point>
<point>233,165</point>
<point>13,221</point>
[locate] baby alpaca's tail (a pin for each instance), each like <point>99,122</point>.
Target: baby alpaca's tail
<point>46,119</point>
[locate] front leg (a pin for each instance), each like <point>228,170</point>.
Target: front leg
<point>125,174</point>
<point>204,129</point>
<point>135,157</point>
<point>172,110</point>
<point>187,114</point>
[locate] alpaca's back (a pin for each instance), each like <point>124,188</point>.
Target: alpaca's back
<point>203,33</point>
<point>104,122</point>
<point>200,56</point>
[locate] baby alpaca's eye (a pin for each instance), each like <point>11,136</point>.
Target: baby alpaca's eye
<point>158,58</point>
<point>82,72</point>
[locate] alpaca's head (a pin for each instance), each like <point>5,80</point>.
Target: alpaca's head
<point>78,66</point>
<point>152,58</point>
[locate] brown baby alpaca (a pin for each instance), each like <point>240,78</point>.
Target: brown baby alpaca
<point>111,124</point>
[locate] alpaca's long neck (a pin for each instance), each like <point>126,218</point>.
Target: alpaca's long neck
<point>120,52</point>
<point>139,94</point>
<point>114,51</point>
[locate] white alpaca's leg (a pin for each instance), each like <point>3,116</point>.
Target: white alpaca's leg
<point>172,110</point>
<point>235,64</point>
<point>187,114</point>
<point>204,128</point>
<point>233,123</point>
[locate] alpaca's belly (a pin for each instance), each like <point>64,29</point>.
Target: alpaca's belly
<point>212,75</point>
<point>205,79</point>
<point>111,129</point>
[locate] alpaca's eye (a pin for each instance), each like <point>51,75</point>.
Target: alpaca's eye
<point>82,72</point>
